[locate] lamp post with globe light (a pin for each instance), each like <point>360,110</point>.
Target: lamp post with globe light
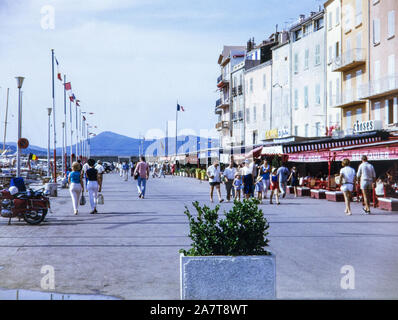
<point>19,85</point>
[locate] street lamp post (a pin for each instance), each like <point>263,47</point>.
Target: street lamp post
<point>48,145</point>
<point>19,84</point>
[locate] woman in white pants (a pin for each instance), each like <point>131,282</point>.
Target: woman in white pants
<point>76,186</point>
<point>92,185</point>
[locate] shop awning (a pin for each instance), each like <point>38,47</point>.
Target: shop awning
<point>255,153</point>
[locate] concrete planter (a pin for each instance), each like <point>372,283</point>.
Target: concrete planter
<point>228,278</point>
<point>335,196</point>
<point>303,191</point>
<point>318,194</point>
<point>388,204</point>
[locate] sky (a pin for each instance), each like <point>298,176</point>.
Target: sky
<point>129,61</point>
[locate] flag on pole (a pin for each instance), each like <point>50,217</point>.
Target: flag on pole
<point>72,97</point>
<point>58,73</point>
<point>77,103</point>
<point>68,86</point>
<point>84,118</point>
<point>180,108</point>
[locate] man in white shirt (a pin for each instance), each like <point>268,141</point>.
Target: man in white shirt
<point>229,176</point>
<point>214,174</point>
<point>367,175</point>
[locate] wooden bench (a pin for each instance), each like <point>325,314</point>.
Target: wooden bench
<point>336,196</point>
<point>318,194</point>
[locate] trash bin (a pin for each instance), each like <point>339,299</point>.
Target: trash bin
<point>51,189</point>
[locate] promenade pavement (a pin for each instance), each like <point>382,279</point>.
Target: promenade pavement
<point>129,250</point>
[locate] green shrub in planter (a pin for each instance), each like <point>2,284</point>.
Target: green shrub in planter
<point>242,232</point>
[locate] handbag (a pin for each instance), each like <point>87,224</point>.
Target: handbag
<point>100,199</point>
<point>136,176</point>
<point>82,200</point>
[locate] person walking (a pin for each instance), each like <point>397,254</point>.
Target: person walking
<point>214,174</point>
<point>248,179</point>
<point>367,176</point>
<point>274,186</point>
<point>92,185</point>
<point>76,186</point>
<point>100,168</point>
<point>142,169</point>
<point>229,176</point>
<point>294,181</point>
<point>347,181</point>
<point>237,185</point>
<point>283,174</point>
<point>125,170</point>
<point>265,171</point>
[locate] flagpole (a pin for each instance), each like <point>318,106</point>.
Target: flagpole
<point>167,141</point>
<point>54,123</point>
<point>71,132</point>
<point>77,136</point>
<point>176,128</point>
<point>64,144</point>
<point>5,121</point>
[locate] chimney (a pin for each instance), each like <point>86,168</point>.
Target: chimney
<point>302,17</point>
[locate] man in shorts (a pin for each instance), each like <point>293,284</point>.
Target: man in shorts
<point>214,174</point>
<point>367,176</point>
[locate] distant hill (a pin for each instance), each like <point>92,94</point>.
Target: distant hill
<point>109,143</point>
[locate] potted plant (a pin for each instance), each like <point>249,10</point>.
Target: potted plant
<point>227,259</point>
<point>202,174</point>
<point>197,173</point>
<point>192,172</point>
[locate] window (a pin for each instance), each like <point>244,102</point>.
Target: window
<point>376,31</point>
<point>337,91</point>
<point>347,20</point>
<point>330,55</point>
<point>306,130</point>
<point>358,116</point>
<point>376,72</point>
<point>358,12</point>
<point>317,129</point>
<point>307,30</point>
<point>317,55</point>
<point>337,49</point>
<point>348,96</point>
<point>359,83</point>
<point>264,112</point>
<point>337,16</point>
<point>318,94</point>
<point>254,113</point>
<point>391,24</point>
<point>296,62</point>
<point>348,119</point>
<point>330,93</point>
<point>296,131</point>
<point>391,72</point>
<point>306,58</point>
<point>386,112</point>
<point>318,24</point>
<point>298,34</point>
<point>330,18</point>
<point>251,84</point>
<point>306,96</point>
<point>295,99</point>
<point>264,81</point>
<point>377,111</point>
<point>247,115</point>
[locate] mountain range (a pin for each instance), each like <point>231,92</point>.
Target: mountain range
<point>108,143</point>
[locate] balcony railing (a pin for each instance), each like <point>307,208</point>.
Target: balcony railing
<point>234,116</point>
<point>234,92</point>
<point>348,98</point>
<point>380,88</point>
<point>240,115</point>
<point>222,81</point>
<point>222,125</point>
<point>349,59</point>
<point>221,103</point>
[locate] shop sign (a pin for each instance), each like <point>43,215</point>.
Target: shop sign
<point>366,126</point>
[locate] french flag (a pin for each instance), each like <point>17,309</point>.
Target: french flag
<point>180,108</point>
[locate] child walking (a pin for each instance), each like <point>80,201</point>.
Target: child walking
<point>259,188</point>
<point>237,185</point>
<point>274,186</point>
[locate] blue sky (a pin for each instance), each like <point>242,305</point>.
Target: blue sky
<point>128,60</point>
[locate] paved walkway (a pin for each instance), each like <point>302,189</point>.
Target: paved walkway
<point>130,249</point>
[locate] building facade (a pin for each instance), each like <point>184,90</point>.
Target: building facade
<point>230,56</point>
<point>382,89</point>
<point>353,63</point>
<point>280,114</point>
<point>333,52</point>
<point>308,76</point>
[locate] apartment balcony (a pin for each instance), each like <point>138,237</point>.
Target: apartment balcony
<point>222,104</point>
<point>348,98</point>
<point>222,125</point>
<point>222,82</point>
<point>234,92</point>
<point>349,60</point>
<point>380,88</point>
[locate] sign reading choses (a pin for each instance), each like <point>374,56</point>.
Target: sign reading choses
<point>276,133</point>
<point>366,126</point>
